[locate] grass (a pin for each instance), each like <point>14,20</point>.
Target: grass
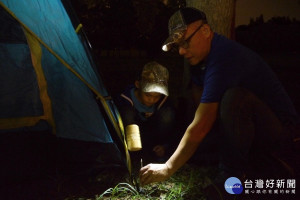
<point>187,183</point>
<point>119,191</point>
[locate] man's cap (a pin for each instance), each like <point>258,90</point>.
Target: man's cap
<point>178,23</point>
<point>154,78</point>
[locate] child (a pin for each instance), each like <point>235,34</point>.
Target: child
<point>146,104</point>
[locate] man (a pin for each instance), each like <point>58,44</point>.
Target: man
<point>242,99</point>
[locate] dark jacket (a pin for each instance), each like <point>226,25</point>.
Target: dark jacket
<point>157,129</point>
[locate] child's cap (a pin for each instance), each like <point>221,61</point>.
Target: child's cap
<point>155,78</point>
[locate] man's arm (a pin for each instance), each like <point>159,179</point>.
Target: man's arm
<point>204,119</point>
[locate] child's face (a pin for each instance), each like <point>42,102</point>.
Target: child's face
<point>149,98</point>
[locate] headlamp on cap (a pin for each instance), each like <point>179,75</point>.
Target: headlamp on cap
<point>178,23</point>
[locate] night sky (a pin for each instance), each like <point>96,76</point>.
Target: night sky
<point>246,9</point>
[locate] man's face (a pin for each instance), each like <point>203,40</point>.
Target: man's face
<point>198,45</point>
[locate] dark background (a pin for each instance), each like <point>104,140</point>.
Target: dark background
<point>125,34</point>
<point>142,25</point>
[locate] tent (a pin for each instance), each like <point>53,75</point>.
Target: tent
<point>49,83</point>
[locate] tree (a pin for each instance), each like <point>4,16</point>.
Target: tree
<point>220,14</point>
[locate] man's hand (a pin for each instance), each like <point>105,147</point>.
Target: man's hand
<point>154,173</point>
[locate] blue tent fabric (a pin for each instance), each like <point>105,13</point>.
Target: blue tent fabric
<point>18,98</point>
<point>53,26</point>
<point>76,113</point>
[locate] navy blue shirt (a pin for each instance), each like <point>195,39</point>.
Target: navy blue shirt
<point>229,65</point>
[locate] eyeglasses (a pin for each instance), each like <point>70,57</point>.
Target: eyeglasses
<point>186,43</point>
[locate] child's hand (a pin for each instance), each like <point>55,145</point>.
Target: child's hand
<point>159,150</point>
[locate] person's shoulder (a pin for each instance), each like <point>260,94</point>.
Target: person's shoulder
<point>128,89</point>
<point>218,38</point>
<point>225,42</point>
<point>227,49</point>
<point>125,96</point>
